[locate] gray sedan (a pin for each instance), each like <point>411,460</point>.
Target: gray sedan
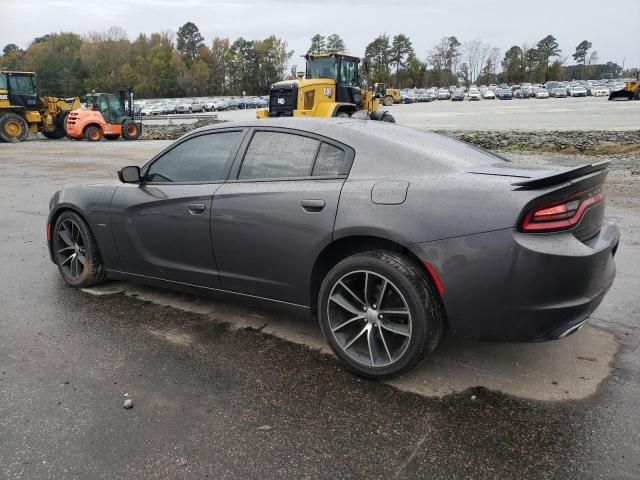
<point>389,235</point>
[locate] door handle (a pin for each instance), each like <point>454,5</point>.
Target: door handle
<point>313,205</point>
<point>196,207</point>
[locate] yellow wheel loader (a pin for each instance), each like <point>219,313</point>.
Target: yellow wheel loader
<point>330,87</point>
<point>631,90</point>
<point>23,112</point>
<point>389,96</point>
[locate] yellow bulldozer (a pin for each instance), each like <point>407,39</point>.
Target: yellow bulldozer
<point>23,112</point>
<point>631,90</point>
<point>330,87</point>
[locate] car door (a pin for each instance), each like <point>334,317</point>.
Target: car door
<point>161,227</point>
<point>277,211</point>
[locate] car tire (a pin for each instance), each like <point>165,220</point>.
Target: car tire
<point>377,342</point>
<point>73,242</point>
<point>13,128</point>
<point>92,134</point>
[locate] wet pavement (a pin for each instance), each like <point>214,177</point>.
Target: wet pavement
<point>223,390</point>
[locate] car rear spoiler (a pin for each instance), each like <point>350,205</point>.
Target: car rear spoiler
<point>562,176</point>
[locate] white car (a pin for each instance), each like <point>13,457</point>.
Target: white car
<point>577,91</point>
<point>600,91</point>
<point>474,94</point>
<point>489,95</point>
<point>150,110</point>
<point>541,93</point>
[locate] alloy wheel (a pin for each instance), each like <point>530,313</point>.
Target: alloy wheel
<point>71,251</point>
<point>369,318</point>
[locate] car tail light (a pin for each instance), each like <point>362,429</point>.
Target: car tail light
<point>561,214</point>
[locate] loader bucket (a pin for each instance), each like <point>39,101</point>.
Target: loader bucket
<point>621,94</point>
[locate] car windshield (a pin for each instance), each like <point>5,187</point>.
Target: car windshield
<point>3,81</point>
<point>21,84</point>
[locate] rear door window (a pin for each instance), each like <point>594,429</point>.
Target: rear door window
<point>274,155</point>
<point>330,161</point>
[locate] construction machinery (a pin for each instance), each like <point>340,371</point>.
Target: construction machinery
<point>330,87</point>
<point>389,96</point>
<point>23,112</point>
<point>105,115</point>
<point>630,91</point>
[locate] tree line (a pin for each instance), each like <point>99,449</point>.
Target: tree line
<point>158,65</point>
<point>165,64</point>
<point>450,62</point>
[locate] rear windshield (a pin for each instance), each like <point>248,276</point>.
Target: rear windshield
<point>418,152</point>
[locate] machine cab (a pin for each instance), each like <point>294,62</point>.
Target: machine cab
<point>343,69</point>
<point>18,89</point>
<point>108,105</point>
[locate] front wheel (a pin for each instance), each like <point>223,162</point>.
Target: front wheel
<point>76,252</point>
<point>13,128</point>
<point>380,314</point>
<point>131,130</point>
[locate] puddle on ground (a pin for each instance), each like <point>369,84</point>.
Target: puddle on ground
<point>571,368</point>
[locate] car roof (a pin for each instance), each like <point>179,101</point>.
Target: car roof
<point>380,146</point>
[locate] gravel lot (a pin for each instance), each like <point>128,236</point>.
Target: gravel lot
<point>587,113</point>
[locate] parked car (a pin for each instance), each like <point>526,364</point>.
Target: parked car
<point>406,98</point>
<point>150,110</point>
<point>558,92</point>
<point>481,247</point>
<point>600,91</point>
<point>168,107</point>
<point>541,92</point>
<point>185,106</point>
<point>504,94</point>
<point>458,95</point>
<point>520,93</point>
<point>425,97</point>
<point>444,94</point>
<point>577,91</point>
<point>489,95</point>
<point>474,94</point>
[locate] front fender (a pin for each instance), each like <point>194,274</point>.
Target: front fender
<point>93,204</point>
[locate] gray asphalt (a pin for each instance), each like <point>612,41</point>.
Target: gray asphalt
<point>220,402</point>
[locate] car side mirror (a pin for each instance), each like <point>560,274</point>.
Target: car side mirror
<point>129,174</point>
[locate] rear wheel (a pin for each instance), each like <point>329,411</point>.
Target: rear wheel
<point>343,115</point>
<point>379,313</point>
<point>131,130</point>
<point>13,128</point>
<point>387,101</point>
<point>92,134</point>
<point>76,252</point>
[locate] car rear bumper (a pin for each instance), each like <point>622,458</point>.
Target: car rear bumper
<point>510,286</point>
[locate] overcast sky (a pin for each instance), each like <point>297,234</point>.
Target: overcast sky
<point>611,26</point>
